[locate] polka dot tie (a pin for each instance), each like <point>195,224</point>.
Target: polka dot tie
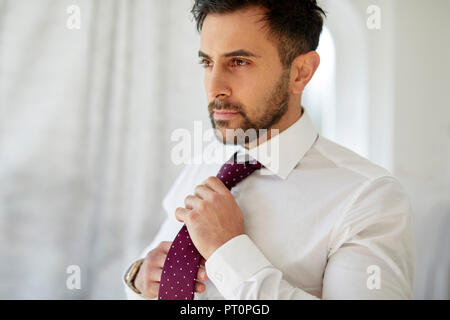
<point>182,261</point>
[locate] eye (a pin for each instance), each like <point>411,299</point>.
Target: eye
<point>204,63</point>
<point>240,63</point>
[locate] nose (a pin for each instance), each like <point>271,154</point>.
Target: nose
<point>217,84</point>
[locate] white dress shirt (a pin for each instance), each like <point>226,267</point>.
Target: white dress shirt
<point>320,223</point>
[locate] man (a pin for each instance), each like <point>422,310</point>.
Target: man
<point>315,220</point>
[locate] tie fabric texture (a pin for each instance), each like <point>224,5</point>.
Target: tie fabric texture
<point>182,261</point>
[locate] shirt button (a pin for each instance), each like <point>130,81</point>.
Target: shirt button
<point>218,276</point>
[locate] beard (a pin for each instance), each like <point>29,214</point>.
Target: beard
<point>248,130</point>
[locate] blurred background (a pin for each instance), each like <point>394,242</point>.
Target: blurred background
<point>86,116</point>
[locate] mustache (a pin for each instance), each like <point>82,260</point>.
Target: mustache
<point>224,106</point>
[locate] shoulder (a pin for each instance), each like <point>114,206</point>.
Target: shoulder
<point>364,180</point>
<point>345,159</point>
<point>374,192</point>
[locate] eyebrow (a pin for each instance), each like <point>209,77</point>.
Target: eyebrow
<point>237,53</point>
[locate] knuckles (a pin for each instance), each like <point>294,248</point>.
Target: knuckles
<point>193,216</point>
<point>201,206</point>
<point>188,199</point>
<point>153,255</point>
<point>151,258</point>
<point>212,179</point>
<point>197,189</point>
<point>150,255</point>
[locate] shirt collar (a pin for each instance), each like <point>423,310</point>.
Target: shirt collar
<point>283,152</point>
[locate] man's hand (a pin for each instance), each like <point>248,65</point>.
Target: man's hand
<point>149,276</point>
<point>212,216</point>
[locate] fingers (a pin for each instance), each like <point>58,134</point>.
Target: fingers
<point>216,184</point>
<point>151,289</point>
<point>191,202</point>
<point>181,213</point>
<point>156,258</point>
<point>201,274</point>
<point>199,287</point>
<point>154,274</point>
<point>165,246</point>
<point>205,191</point>
<point>202,191</point>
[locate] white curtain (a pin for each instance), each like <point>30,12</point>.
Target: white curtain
<point>85,122</point>
<point>86,118</point>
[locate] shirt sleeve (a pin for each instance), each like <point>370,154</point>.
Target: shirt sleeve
<point>240,271</point>
<point>371,258</point>
<point>373,247</point>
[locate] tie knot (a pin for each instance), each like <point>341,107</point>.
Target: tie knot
<point>254,164</point>
<point>244,160</point>
<point>234,171</point>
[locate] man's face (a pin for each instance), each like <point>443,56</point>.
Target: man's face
<point>243,73</point>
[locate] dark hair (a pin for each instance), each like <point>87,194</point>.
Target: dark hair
<point>295,25</point>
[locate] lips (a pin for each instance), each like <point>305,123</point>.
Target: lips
<point>224,114</point>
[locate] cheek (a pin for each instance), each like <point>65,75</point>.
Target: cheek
<point>248,92</point>
<point>205,85</point>
<point>260,84</point>
<point>254,99</point>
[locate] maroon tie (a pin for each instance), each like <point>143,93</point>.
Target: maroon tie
<point>182,261</point>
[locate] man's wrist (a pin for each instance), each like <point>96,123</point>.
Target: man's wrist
<point>218,245</point>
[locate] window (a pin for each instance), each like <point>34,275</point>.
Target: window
<point>319,98</point>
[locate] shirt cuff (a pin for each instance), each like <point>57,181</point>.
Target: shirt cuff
<point>234,263</point>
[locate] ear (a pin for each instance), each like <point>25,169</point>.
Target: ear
<point>303,69</point>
